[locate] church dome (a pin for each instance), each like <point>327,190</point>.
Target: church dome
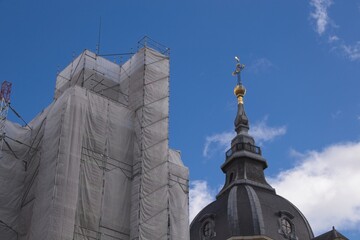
<point>248,207</point>
<point>246,210</point>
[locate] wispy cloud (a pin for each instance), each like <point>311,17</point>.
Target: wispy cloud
<point>260,65</point>
<point>260,131</point>
<point>333,38</point>
<point>264,133</point>
<point>296,154</point>
<point>352,51</point>
<point>325,186</point>
<point>320,14</point>
<point>336,114</point>
<point>217,142</point>
<point>200,195</point>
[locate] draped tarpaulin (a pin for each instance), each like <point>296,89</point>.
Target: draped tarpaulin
<point>96,163</point>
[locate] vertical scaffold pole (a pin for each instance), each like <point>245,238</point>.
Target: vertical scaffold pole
<point>4,107</point>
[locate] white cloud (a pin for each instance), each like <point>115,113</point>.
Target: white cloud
<point>333,38</point>
<point>296,154</point>
<point>352,51</point>
<point>325,186</point>
<point>320,14</point>
<point>322,19</point>
<point>200,195</point>
<point>264,133</point>
<point>260,131</point>
<point>260,65</point>
<point>336,114</point>
<point>217,142</point>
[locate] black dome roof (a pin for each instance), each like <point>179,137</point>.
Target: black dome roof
<point>248,210</point>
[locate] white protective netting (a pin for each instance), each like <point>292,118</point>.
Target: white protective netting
<point>96,164</point>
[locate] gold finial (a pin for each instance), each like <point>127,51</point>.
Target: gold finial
<point>239,92</point>
<point>239,89</point>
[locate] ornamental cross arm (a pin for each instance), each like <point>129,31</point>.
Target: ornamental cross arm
<point>238,69</point>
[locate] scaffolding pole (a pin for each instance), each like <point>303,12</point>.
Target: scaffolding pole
<point>4,108</point>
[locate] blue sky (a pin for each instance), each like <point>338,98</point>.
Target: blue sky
<point>302,77</point>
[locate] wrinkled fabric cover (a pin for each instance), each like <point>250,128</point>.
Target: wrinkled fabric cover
<point>96,164</point>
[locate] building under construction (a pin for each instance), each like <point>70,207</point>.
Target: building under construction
<point>96,163</point>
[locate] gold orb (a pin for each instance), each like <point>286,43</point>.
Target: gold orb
<point>239,91</point>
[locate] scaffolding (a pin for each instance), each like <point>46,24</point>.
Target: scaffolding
<point>98,164</point>
<point>4,108</point>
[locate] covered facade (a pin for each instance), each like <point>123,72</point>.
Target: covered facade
<point>96,164</point>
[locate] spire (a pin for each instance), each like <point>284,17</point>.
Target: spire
<point>243,142</point>
<point>241,121</point>
<point>243,163</point>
